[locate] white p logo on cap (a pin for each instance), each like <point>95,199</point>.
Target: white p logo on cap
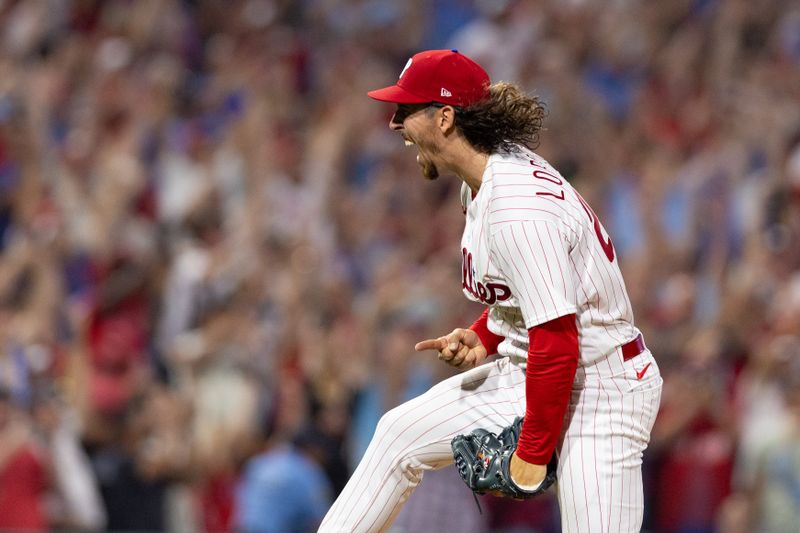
<point>405,68</point>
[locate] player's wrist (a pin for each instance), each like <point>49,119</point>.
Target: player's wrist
<point>532,458</point>
<point>486,338</point>
<point>527,476</point>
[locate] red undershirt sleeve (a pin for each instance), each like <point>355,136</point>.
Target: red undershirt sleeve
<point>490,340</point>
<point>552,362</point>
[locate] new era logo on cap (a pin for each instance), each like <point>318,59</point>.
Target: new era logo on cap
<point>444,76</point>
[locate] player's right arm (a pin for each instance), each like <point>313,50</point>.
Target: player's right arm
<point>534,258</point>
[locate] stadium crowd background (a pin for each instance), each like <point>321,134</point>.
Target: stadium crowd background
<point>216,259</point>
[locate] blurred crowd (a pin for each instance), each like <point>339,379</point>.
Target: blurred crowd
<point>215,258</point>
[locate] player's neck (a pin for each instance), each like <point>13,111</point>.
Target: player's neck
<point>469,165</point>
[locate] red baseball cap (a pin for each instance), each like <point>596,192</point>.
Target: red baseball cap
<point>444,76</point>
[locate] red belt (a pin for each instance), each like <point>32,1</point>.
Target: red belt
<point>633,348</point>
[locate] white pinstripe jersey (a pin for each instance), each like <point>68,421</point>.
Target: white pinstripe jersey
<point>533,250</point>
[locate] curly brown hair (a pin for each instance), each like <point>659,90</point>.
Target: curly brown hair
<point>503,121</point>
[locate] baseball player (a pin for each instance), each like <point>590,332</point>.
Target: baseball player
<point>557,312</point>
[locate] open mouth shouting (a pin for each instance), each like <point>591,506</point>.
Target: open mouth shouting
<point>429,170</point>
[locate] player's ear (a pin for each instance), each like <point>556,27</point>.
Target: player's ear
<point>446,119</point>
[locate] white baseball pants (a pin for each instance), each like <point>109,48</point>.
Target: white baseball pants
<point>606,429</point>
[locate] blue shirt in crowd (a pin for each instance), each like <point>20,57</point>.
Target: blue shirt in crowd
<point>282,491</point>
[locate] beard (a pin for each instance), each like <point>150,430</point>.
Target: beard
<point>429,170</point>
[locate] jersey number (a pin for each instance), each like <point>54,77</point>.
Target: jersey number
<point>605,242</point>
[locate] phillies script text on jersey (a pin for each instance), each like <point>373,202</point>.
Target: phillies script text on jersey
<point>488,293</point>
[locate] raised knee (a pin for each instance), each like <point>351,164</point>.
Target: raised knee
<point>391,426</point>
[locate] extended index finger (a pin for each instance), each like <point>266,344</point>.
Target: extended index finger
<point>431,344</point>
